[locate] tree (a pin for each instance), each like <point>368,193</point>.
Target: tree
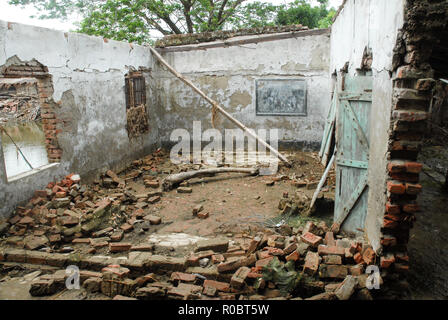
<point>136,20</point>
<point>301,12</point>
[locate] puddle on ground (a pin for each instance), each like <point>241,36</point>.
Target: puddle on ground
<point>30,138</point>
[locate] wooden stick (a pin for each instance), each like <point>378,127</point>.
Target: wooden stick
<point>173,180</point>
<point>24,158</point>
<point>322,181</point>
<point>217,106</point>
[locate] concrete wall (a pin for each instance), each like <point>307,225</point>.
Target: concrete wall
<point>228,73</point>
<point>371,23</point>
<point>88,79</point>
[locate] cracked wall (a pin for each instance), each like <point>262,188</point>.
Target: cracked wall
<point>227,74</point>
<point>88,78</point>
<point>375,25</point>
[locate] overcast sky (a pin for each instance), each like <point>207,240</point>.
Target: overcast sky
<point>17,14</point>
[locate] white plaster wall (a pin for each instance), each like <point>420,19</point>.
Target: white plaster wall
<point>88,79</point>
<point>228,75</point>
<point>372,23</point>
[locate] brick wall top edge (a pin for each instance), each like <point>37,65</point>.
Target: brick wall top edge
<point>194,38</point>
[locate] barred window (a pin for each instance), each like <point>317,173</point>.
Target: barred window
<point>135,89</point>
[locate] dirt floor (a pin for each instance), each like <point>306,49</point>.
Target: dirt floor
<point>238,205</point>
<point>428,244</point>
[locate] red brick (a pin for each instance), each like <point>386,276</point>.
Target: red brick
<point>273,251</point>
<point>117,270</point>
<point>392,208</point>
<point>354,247</point>
<point>254,275</point>
<point>54,238</point>
<point>290,248</point>
<point>396,167</point>
<point>40,193</point>
<point>329,239</point>
<point>389,224</point>
<point>335,227</point>
<point>239,277</point>
<point>396,187</point>
<point>388,240</point>
<point>217,258</point>
<point>387,260</point>
<point>126,227</point>
<point>219,286</point>
<point>395,217</point>
<point>358,258</point>
<point>16,255</point>
<point>183,277</point>
<point>253,245</point>
<point>142,247</point>
<point>293,256</point>
<point>193,261</point>
<point>333,271</point>
<point>311,263</point>
<point>369,256</point>
<point>356,270</point>
<point>332,259</point>
<point>263,254</point>
<point>235,264</point>
<point>404,115</point>
<point>26,220</point>
<point>81,240</point>
<point>61,194</point>
<point>152,184</point>
<point>425,84</point>
<point>119,246</point>
<point>414,167</point>
<point>400,267</point>
<point>412,188</point>
<point>401,257</point>
<point>311,239</point>
<point>203,215</point>
<point>334,250</point>
<point>263,262</point>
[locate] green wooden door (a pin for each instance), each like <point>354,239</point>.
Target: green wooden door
<point>352,157</point>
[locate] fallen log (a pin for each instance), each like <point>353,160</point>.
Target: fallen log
<point>173,180</point>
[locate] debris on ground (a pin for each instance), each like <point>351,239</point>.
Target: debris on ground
<point>101,227</point>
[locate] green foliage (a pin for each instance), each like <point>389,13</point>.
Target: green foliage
<point>136,20</point>
<point>301,12</point>
<point>282,274</point>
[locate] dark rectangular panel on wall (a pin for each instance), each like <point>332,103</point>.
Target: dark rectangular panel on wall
<point>285,97</point>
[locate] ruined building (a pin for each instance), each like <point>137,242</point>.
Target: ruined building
<point>365,88</point>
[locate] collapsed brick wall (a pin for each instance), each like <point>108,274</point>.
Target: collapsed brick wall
<point>34,69</point>
<point>412,92</point>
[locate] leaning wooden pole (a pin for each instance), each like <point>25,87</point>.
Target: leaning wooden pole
<point>217,106</point>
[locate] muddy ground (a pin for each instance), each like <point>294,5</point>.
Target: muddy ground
<point>428,243</point>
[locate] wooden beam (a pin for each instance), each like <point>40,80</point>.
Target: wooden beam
<point>217,106</point>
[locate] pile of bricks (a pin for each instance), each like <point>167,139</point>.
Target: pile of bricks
<point>97,214</point>
<point>325,268</point>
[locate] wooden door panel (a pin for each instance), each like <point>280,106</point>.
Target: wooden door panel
<point>352,126</point>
